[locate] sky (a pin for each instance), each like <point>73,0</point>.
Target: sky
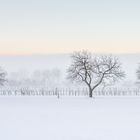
<point>64,26</point>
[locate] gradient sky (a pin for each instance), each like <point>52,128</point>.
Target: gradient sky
<point>63,26</point>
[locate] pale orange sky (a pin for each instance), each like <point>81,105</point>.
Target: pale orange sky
<point>43,27</point>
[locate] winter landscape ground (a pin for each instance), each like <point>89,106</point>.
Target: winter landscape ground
<point>44,118</point>
<point>69,117</point>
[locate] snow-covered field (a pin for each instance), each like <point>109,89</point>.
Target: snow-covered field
<point>44,118</point>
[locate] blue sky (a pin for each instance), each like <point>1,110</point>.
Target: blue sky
<point>62,26</point>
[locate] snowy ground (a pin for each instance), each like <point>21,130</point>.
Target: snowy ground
<point>42,118</point>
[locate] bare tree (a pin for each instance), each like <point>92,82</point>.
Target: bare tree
<point>2,76</point>
<point>138,73</point>
<point>94,71</point>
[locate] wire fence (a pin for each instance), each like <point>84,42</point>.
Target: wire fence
<point>68,92</point>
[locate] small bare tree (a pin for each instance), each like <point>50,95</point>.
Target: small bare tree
<point>2,76</point>
<point>138,73</point>
<point>94,71</point>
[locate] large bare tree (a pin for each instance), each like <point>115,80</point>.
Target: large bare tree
<point>2,76</point>
<point>94,71</point>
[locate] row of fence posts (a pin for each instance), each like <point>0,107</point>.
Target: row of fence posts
<point>73,92</point>
<point>84,92</point>
<point>69,92</point>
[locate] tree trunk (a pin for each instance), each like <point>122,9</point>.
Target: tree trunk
<point>90,92</point>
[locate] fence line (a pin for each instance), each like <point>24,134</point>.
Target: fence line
<point>67,92</point>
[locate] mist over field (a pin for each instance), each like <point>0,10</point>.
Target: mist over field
<point>25,66</point>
